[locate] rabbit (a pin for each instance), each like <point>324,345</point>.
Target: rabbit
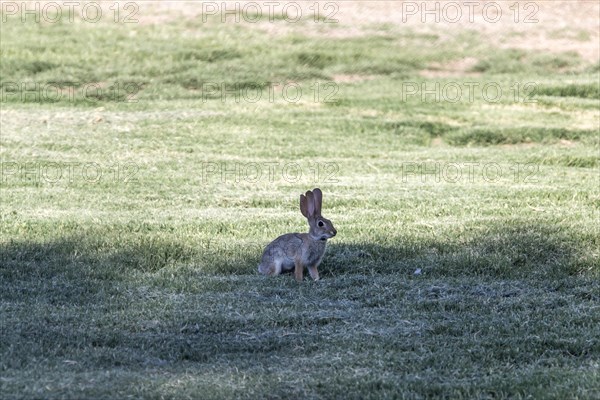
<point>298,250</point>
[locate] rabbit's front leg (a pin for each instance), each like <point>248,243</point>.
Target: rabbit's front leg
<point>298,271</point>
<point>313,273</point>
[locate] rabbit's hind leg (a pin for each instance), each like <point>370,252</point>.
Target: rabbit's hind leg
<point>272,268</point>
<point>298,270</point>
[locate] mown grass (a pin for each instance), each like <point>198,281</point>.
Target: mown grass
<point>141,281</point>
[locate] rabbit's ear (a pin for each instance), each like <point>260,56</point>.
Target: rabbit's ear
<point>318,200</point>
<point>310,202</point>
<point>303,205</point>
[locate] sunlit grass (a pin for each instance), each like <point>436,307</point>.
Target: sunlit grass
<point>131,231</point>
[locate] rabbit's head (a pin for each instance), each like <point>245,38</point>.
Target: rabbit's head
<point>310,206</point>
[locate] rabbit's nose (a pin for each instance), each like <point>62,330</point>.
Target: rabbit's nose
<point>333,232</point>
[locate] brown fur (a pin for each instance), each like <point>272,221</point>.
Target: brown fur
<point>298,250</point>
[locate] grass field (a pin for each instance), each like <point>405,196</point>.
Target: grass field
<point>145,165</point>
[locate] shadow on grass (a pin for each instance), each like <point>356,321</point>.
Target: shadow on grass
<point>507,251</point>
<point>96,302</point>
<point>510,251</point>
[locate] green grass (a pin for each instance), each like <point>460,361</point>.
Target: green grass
<point>128,263</point>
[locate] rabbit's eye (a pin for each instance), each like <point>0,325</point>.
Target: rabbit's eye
<point>320,223</point>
